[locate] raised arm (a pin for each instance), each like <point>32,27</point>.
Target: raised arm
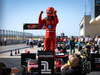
<point>56,17</point>
<point>40,21</point>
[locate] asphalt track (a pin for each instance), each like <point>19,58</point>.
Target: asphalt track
<point>15,60</point>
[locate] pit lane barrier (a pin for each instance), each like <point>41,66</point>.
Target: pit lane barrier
<point>17,51</point>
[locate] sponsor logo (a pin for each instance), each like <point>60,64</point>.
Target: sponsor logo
<point>49,26</point>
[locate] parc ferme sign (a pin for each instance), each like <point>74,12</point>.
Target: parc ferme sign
<point>46,62</point>
<point>95,62</point>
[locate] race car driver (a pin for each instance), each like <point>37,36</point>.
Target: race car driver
<point>50,23</point>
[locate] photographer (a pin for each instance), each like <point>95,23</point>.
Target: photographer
<point>7,71</point>
<point>98,43</point>
<point>71,68</point>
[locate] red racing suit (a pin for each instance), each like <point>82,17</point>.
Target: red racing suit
<point>50,36</point>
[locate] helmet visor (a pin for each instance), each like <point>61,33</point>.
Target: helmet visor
<point>49,12</point>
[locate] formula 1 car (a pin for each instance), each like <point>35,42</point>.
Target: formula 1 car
<point>31,64</point>
<point>62,46</point>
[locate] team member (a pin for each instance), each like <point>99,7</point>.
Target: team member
<point>71,68</point>
<point>31,42</point>
<point>72,45</point>
<point>5,40</point>
<point>50,23</point>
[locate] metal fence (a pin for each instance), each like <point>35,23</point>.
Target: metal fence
<point>14,37</point>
